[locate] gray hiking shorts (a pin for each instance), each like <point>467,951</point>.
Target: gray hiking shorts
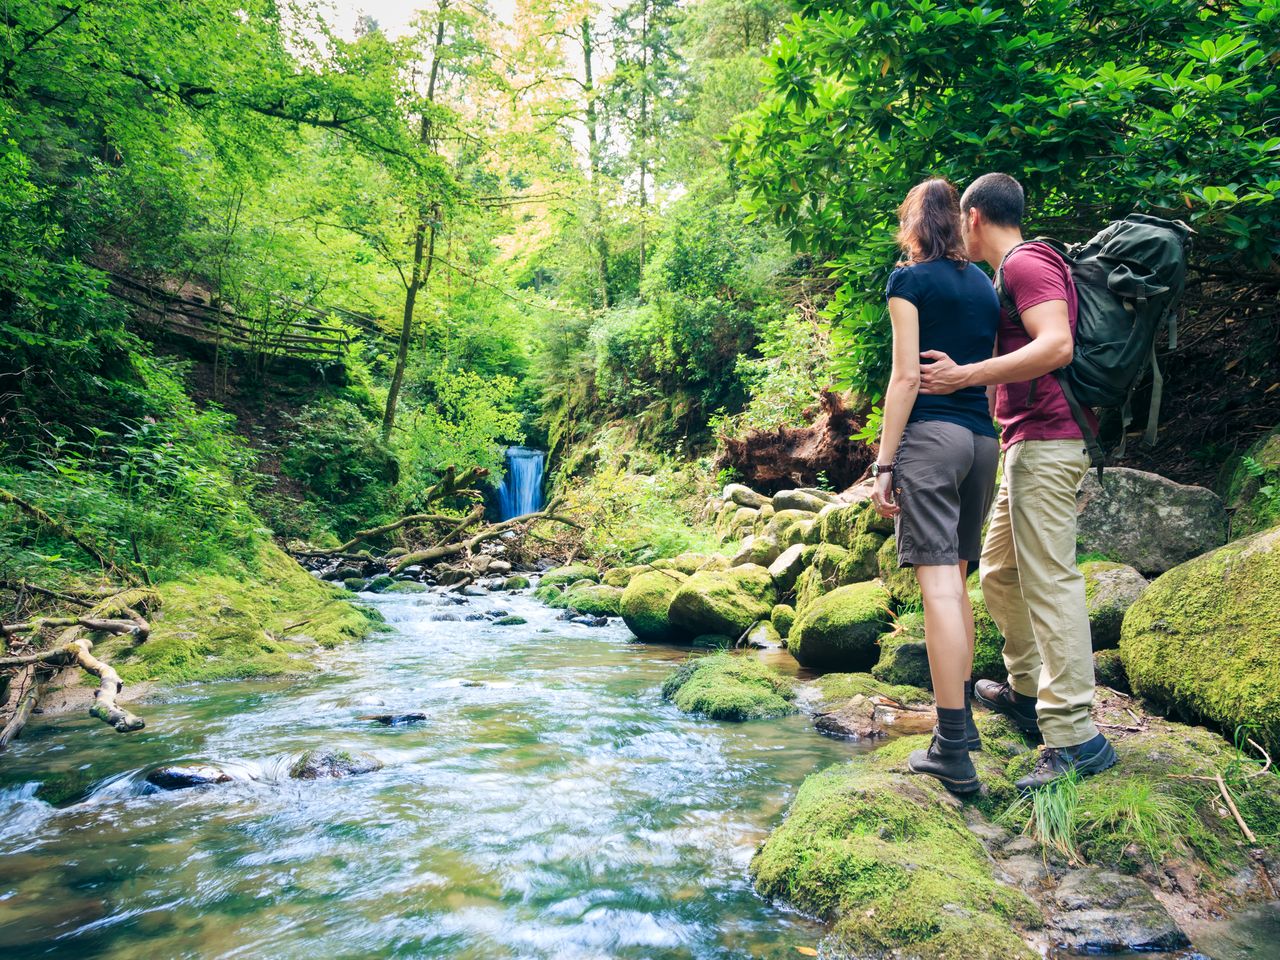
<point>944,479</point>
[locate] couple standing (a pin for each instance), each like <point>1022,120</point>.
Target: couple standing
<point>936,472</point>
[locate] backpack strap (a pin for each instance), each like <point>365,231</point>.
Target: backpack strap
<point>1097,457</point>
<point>1006,301</point>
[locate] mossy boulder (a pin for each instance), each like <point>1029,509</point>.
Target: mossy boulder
<point>354,584</point>
<point>834,687</point>
<point>1110,589</point>
<point>1108,670</point>
<point>904,659</point>
<point>889,860</point>
<point>594,598</point>
<point>332,764</point>
<point>726,686</point>
<point>619,576</point>
<point>741,523</point>
<point>407,586</point>
<point>788,566</point>
<point>761,550</point>
<point>570,574</point>
<point>782,617</point>
<point>838,631</point>
<point>1202,641</point>
<point>723,601</point>
<point>763,636</point>
<point>830,566</point>
<point>380,584</point>
<point>549,593</point>
<point>1253,489</point>
<point>515,582</point>
<point>510,620</point>
<point>646,601</point>
<point>266,621</point>
<point>789,526</point>
<point>839,525</point>
<point>743,495</point>
<point>900,581</point>
<point>988,643</point>
<point>798,500</point>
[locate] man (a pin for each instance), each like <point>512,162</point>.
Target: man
<point>1032,587</point>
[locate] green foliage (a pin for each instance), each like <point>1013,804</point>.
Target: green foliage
<point>1098,108</point>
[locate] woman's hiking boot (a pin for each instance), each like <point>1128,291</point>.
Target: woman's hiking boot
<point>1002,698</point>
<point>947,761</point>
<point>1054,763</point>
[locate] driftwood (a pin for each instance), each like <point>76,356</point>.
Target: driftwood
<point>451,483</point>
<point>117,615</point>
<point>444,550</point>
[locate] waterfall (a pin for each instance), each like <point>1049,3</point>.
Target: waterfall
<point>521,490</point>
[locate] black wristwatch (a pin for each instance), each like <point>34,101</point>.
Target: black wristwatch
<point>877,469</point>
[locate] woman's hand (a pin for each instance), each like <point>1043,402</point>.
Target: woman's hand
<point>882,496</point>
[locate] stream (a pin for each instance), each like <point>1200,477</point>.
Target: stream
<point>552,805</point>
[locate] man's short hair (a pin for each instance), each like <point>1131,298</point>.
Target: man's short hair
<point>998,197</point>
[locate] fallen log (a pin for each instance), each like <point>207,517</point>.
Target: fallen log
<point>441,551</point>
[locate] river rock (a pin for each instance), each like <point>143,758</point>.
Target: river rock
<point>587,620</point>
<point>324,764</point>
<point>407,586</point>
<point>185,777</point>
<point>355,584</point>
<point>788,566</point>
<point>798,500</point>
<point>743,496</point>
<point>344,573</point>
<point>855,718</point>
<point>722,601</point>
<point>1252,497</point>
<point>510,621</point>
<point>1100,911</point>
<point>474,617</point>
<point>445,617</point>
<point>593,598</point>
<point>499,566</point>
<point>1110,589</point>
<point>646,602</point>
<point>568,575</point>
<point>742,522</point>
<point>725,686</point>
<point>1202,640</point>
<point>474,590</point>
<point>761,550</point>
<point>515,582</point>
<point>838,630</point>
<point>782,617</point>
<point>1146,520</point>
<point>763,636</point>
<point>380,584</point>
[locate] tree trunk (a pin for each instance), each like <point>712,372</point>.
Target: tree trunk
<point>593,155</point>
<point>424,236</point>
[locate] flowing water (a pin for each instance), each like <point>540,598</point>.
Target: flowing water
<point>521,489</point>
<point>552,805</point>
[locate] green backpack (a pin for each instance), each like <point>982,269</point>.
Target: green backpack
<point>1129,280</point>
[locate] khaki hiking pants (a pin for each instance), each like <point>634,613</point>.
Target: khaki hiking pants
<point>1033,589</point>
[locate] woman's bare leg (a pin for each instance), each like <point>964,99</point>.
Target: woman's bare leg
<point>948,631</point>
<point>969,629</point>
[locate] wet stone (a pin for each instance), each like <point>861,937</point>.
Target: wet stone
<point>589,621</point>
<point>185,777</point>
<point>1101,911</point>
<point>475,616</point>
<point>855,718</point>
<point>326,764</point>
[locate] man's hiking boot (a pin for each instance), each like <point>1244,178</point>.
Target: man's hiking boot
<point>1001,698</point>
<point>970,728</point>
<point>948,761</point>
<point>1092,756</point>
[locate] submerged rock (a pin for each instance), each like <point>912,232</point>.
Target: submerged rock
<point>1203,641</point>
<point>395,719</point>
<point>325,764</point>
<point>646,601</point>
<point>726,686</point>
<point>838,631</point>
<point>510,621</point>
<point>184,777</point>
<point>1146,520</point>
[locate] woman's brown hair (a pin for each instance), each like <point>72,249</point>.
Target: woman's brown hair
<point>929,224</point>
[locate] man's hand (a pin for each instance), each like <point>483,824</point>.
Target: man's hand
<point>943,375</point>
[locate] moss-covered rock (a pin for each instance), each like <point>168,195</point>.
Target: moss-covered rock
<point>515,582</point>
<point>1202,641</point>
<point>761,550</point>
<point>743,496</point>
<point>570,574</point>
<point>407,586</point>
<point>265,623</point>
<point>1110,589</point>
<point>741,523</point>
<point>799,500</point>
<point>838,631</point>
<point>354,584</point>
<point>646,601</point>
<point>988,644</point>
<point>838,525</point>
<point>900,581</point>
<point>830,566</point>
<point>788,566</point>
<point>594,598</point>
<point>903,655</point>
<point>888,859</point>
<point>782,617</point>
<point>723,601</point>
<point>510,620</point>
<point>619,576</point>
<point>380,584</point>
<point>1253,489</point>
<point>726,686</point>
<point>326,764</point>
<point>834,687</point>
<point>549,593</point>
<point>1108,670</point>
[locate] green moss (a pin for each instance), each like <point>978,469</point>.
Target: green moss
<point>1253,491</point>
<point>903,656</point>
<point>839,527</point>
<point>835,687</point>
<point>1108,670</point>
<point>511,620</point>
<point>899,581</point>
<point>839,629</point>
<point>726,686</point>
<point>593,598</point>
<point>782,617</point>
<point>888,859</point>
<point>515,582</point>
<point>619,576</point>
<point>214,627</point>
<point>569,574</point>
<point>548,593</point>
<point>1202,640</point>
<point>355,584</point>
<point>646,601</point>
<point>381,583</point>
<point>988,644</point>
<point>407,586</point>
<point>723,601</point>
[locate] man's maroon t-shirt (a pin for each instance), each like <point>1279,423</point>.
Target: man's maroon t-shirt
<point>1034,274</point>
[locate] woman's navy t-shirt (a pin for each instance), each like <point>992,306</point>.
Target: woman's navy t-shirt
<point>959,315</point>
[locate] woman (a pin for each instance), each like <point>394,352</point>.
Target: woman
<point>937,464</point>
